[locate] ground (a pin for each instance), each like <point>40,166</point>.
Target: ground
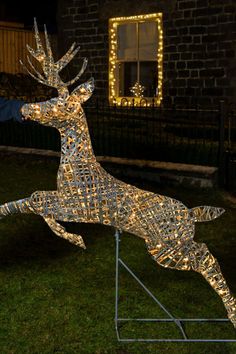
<point>56,298</point>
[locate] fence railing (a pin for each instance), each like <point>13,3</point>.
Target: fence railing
<point>178,135</point>
<point>170,134</point>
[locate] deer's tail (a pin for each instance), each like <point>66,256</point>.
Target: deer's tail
<point>206,213</point>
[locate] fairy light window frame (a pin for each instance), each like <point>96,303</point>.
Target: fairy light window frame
<point>114,97</point>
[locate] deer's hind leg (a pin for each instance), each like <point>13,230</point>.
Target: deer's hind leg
<point>196,256</point>
<point>203,262</point>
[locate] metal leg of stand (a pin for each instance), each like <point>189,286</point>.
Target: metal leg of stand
<point>178,321</point>
<point>117,237</point>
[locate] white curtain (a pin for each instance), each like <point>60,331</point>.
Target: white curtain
<point>147,41</point>
<point>127,41</point>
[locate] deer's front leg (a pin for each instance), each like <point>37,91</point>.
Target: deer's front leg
<point>15,207</point>
<point>61,232</point>
<point>47,204</point>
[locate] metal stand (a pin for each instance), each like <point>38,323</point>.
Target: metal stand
<point>179,322</point>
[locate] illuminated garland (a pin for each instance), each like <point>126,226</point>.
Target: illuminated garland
<point>114,97</point>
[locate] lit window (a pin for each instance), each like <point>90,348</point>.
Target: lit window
<point>135,60</point>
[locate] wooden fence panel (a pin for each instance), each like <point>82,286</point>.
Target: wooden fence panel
<point>13,47</point>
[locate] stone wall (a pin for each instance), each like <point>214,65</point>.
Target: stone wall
<point>199,44</point>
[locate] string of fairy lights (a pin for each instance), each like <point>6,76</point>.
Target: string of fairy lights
<point>137,90</point>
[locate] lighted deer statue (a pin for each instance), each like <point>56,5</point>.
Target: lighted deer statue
<point>87,193</point>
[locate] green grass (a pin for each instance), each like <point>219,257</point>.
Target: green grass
<point>56,298</point>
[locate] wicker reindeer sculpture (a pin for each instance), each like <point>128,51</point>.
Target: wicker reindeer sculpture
<point>87,193</point>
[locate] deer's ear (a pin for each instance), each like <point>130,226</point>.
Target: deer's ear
<point>84,91</point>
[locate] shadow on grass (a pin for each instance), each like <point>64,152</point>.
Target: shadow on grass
<point>27,238</point>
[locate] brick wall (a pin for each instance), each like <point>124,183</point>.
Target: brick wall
<point>200,52</point>
<point>199,44</point>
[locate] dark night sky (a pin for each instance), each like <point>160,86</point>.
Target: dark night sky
<point>24,11</point>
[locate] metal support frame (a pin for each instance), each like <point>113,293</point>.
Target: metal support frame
<point>179,322</point>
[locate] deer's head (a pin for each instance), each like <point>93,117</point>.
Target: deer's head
<point>67,106</point>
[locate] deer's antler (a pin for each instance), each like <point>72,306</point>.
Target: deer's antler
<point>50,76</point>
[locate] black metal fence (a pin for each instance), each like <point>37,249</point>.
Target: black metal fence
<point>230,148</point>
<point>196,136</point>
<point>170,134</point>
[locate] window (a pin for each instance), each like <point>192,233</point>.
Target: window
<point>135,60</point>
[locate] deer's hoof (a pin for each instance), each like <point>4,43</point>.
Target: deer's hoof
<point>232,312</point>
<point>232,318</point>
<point>76,240</point>
<point>80,242</point>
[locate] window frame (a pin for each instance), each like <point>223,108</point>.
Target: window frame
<point>113,60</point>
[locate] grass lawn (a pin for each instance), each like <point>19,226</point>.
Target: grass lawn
<point>57,298</point>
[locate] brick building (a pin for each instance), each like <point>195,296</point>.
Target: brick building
<point>199,44</point>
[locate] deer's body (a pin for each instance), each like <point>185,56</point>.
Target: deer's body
<point>87,193</point>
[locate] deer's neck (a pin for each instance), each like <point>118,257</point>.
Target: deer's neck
<point>76,142</point>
